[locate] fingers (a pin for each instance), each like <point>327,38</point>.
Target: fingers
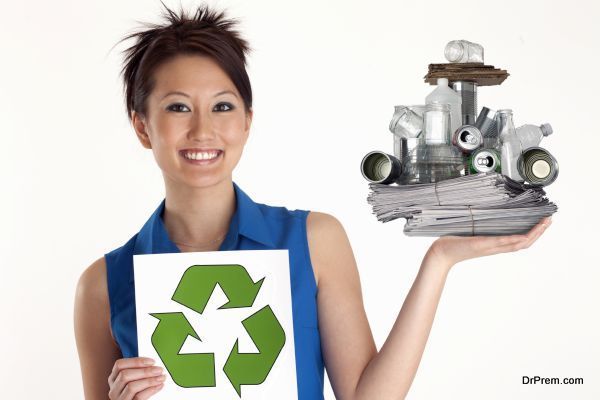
<point>142,388</point>
<point>492,243</point>
<point>526,240</point>
<point>457,248</point>
<point>147,393</point>
<point>488,245</point>
<point>133,375</point>
<point>536,232</point>
<point>533,233</point>
<point>124,363</point>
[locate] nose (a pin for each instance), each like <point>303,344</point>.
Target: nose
<point>201,128</point>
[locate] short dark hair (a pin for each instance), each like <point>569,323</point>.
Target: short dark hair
<point>206,33</point>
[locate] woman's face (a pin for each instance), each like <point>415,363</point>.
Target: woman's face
<point>195,121</point>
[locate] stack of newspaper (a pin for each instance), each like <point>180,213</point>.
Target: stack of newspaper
<point>481,204</point>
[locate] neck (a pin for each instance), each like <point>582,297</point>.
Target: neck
<point>198,216</point>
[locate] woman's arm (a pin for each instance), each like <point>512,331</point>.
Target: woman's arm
<point>95,344</point>
<point>354,366</point>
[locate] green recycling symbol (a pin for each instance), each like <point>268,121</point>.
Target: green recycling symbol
<point>198,369</point>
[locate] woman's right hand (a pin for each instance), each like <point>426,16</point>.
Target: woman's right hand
<point>135,379</point>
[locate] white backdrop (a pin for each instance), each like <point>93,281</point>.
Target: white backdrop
<point>326,76</point>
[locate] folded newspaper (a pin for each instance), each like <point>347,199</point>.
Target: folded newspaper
<point>480,204</point>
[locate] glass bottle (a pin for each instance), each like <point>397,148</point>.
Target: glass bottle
<point>509,145</point>
<point>436,123</point>
<point>462,51</point>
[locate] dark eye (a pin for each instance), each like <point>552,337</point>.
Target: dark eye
<point>219,108</point>
<point>177,107</point>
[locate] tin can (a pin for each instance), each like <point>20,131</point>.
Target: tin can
<point>380,167</point>
<point>467,138</point>
<point>537,166</point>
<point>484,160</point>
<point>468,93</point>
<point>486,123</point>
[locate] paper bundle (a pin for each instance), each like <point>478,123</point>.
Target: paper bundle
<point>481,204</point>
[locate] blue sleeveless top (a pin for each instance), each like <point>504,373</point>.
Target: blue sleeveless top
<point>254,226</point>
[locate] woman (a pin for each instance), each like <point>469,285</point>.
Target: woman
<point>189,99</point>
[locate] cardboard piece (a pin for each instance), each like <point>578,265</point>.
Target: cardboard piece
<point>483,75</point>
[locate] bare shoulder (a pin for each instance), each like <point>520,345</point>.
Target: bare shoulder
<point>328,245</point>
<point>320,223</point>
<point>92,286</point>
<point>91,295</point>
<point>324,230</point>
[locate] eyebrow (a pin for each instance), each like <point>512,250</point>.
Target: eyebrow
<point>186,95</point>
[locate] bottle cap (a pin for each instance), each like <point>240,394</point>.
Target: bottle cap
<point>442,81</point>
<point>546,129</point>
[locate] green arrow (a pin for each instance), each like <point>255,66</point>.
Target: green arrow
<point>199,281</point>
<point>252,368</point>
<point>187,370</point>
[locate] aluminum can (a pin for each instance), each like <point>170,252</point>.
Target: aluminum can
<point>484,160</point>
<point>467,138</point>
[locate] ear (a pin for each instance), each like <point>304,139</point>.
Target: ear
<point>139,125</point>
<point>249,116</point>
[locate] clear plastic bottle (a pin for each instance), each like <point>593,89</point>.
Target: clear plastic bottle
<point>462,51</point>
<point>446,95</point>
<point>509,145</point>
<point>532,135</point>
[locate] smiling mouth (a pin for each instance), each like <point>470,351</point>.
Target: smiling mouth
<point>201,155</point>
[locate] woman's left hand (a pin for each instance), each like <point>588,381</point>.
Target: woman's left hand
<point>450,250</point>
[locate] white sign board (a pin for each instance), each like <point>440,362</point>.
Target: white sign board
<point>219,323</point>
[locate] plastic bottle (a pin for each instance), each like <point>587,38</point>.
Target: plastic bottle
<point>446,95</point>
<point>532,135</point>
<point>510,145</point>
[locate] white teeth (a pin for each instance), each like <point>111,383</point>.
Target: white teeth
<point>203,155</point>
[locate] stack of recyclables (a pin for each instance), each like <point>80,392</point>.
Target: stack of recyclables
<point>480,204</point>
<point>458,172</point>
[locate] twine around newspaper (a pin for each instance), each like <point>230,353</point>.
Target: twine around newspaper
<point>472,221</point>
<point>435,188</point>
<point>436,193</point>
